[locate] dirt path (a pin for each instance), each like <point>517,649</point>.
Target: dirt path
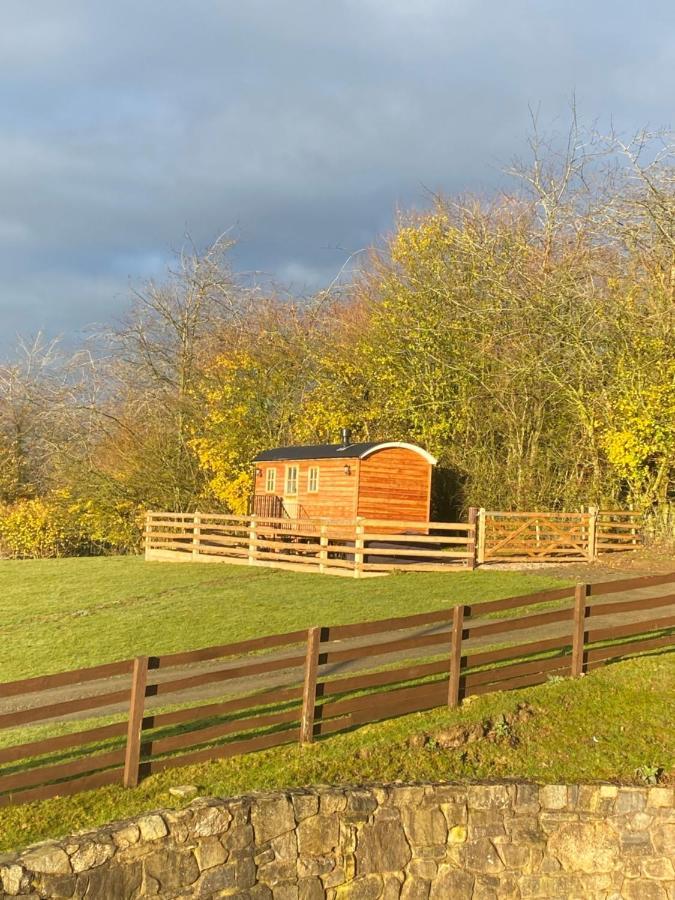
<point>243,685</point>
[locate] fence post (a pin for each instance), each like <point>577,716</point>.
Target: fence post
<point>323,544</point>
<point>196,534</point>
<point>146,536</point>
<point>139,679</point>
<point>309,686</point>
<point>581,592</point>
<point>592,533</point>
<point>472,545</point>
<point>455,655</point>
<point>252,535</point>
<point>480,537</point>
<point>358,549</point>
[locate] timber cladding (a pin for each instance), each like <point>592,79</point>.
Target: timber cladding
<point>122,721</point>
<point>388,480</point>
<point>395,484</point>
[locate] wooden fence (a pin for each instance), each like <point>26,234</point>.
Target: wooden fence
<point>360,547</point>
<point>348,547</point>
<point>117,723</point>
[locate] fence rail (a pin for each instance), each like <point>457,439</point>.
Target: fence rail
<point>349,547</point>
<point>122,721</point>
<point>360,547</point>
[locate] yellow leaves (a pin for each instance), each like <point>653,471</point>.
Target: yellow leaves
<point>60,525</point>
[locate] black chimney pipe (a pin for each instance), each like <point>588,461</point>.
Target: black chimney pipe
<point>346,435</point>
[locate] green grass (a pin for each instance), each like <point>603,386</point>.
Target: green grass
<point>66,613</point>
<point>599,728</point>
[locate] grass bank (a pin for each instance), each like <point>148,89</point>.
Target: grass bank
<point>612,725</point>
<point>66,613</point>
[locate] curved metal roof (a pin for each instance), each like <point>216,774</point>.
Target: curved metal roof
<point>338,451</point>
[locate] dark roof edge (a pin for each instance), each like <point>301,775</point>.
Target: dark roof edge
<point>338,451</point>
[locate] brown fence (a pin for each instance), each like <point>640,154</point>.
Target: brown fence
<point>618,530</point>
<point>349,547</point>
<point>119,722</point>
<point>360,547</point>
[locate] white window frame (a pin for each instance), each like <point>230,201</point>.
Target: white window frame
<point>270,481</point>
<point>313,482</point>
<point>291,485</point>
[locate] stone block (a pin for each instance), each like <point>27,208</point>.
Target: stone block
<point>314,865</point>
<point>630,800</point>
<point>642,889</point>
<point>60,886</point>
<point>360,804</point>
<point>172,869</point>
<point>588,798</point>
<point>661,797</point>
<point>451,883</point>
<point>553,796</point>
<point>331,803</point>
<point>239,874</point>
<point>152,827</point>
<point>483,796</point>
<point>457,834</point>
<point>367,887</point>
<point>126,836</point>
<point>91,855</point>
<point>310,889</point>
<point>271,817</point>
<point>636,843</point>
<point>455,813</point>
<point>284,891</point>
<point>48,859</point>
<point>663,836</point>
<point>408,796</point>
<point>661,868</point>
<point>608,791</point>
<point>480,856</point>
<point>112,881</point>
<point>391,886</point>
<point>514,856</point>
<point>423,868</point>
<point>304,805</point>
<point>527,795</point>
<point>415,888</point>
<point>277,871</point>
<point>209,821</point>
<point>318,835</point>
<point>11,878</point>
<point>424,825</point>
<point>382,847</point>
<point>209,852</point>
<point>285,846</point>
<point>585,847</point>
<point>238,838</point>
<point>183,791</point>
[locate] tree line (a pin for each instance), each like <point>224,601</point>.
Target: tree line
<point>526,339</point>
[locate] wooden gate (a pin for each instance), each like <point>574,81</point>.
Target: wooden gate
<point>513,536</point>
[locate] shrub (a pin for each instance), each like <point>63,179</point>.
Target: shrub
<point>60,525</point>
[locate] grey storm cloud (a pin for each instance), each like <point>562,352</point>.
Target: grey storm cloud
<point>126,125</point>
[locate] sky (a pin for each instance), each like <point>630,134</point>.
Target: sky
<point>301,126</point>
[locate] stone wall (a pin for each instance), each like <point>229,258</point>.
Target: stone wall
<point>395,842</point>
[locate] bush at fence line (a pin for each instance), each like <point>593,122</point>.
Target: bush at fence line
<point>60,525</point>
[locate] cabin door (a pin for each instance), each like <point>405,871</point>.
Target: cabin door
<point>291,492</point>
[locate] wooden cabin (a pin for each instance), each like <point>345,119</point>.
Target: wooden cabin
<point>374,480</point>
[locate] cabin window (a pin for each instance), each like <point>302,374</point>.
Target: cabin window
<point>291,479</point>
<point>313,480</point>
<point>271,481</point>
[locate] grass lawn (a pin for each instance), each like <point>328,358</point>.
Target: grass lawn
<point>604,726</point>
<point>65,613</point>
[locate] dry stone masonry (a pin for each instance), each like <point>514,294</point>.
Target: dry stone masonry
<point>388,842</point>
